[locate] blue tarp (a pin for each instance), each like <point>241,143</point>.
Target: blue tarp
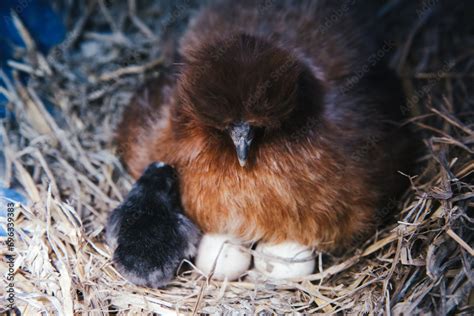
<point>43,23</point>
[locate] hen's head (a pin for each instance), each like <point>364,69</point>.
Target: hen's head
<point>242,87</point>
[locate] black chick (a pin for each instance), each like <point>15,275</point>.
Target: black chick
<point>148,231</point>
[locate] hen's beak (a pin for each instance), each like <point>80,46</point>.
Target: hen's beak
<point>242,135</point>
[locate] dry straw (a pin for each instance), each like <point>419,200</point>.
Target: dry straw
<point>64,161</point>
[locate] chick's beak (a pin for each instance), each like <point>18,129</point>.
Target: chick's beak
<point>242,135</point>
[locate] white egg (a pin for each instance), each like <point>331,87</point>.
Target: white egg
<point>274,260</point>
<point>226,253</point>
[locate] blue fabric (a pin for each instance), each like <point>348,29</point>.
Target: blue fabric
<point>12,195</point>
<point>43,23</point>
<point>7,196</point>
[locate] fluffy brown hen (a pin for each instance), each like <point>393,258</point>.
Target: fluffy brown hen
<point>276,132</point>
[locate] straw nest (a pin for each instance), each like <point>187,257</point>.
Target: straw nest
<point>61,154</point>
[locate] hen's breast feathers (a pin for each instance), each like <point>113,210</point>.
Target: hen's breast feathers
<point>306,193</point>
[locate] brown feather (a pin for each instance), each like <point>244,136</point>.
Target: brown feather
<point>324,162</point>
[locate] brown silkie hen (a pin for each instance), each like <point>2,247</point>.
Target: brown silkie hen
<point>283,129</point>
